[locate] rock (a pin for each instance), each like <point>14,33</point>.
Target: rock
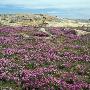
<point>81,32</point>
<point>43,30</point>
<point>24,35</point>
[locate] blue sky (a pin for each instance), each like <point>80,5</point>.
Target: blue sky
<point>63,7</point>
<point>48,3</point>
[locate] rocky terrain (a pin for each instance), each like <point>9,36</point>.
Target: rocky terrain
<point>40,20</point>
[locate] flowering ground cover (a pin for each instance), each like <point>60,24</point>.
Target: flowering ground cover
<point>31,61</point>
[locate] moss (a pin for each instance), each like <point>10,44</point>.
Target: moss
<point>88,80</point>
<point>1,55</point>
<point>77,42</point>
<point>5,84</point>
<point>31,66</point>
<point>46,64</point>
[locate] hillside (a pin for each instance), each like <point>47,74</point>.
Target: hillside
<point>38,54</point>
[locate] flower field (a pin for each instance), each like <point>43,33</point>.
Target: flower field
<point>34,60</point>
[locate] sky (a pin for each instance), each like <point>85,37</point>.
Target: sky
<point>48,3</point>
<point>57,7</point>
